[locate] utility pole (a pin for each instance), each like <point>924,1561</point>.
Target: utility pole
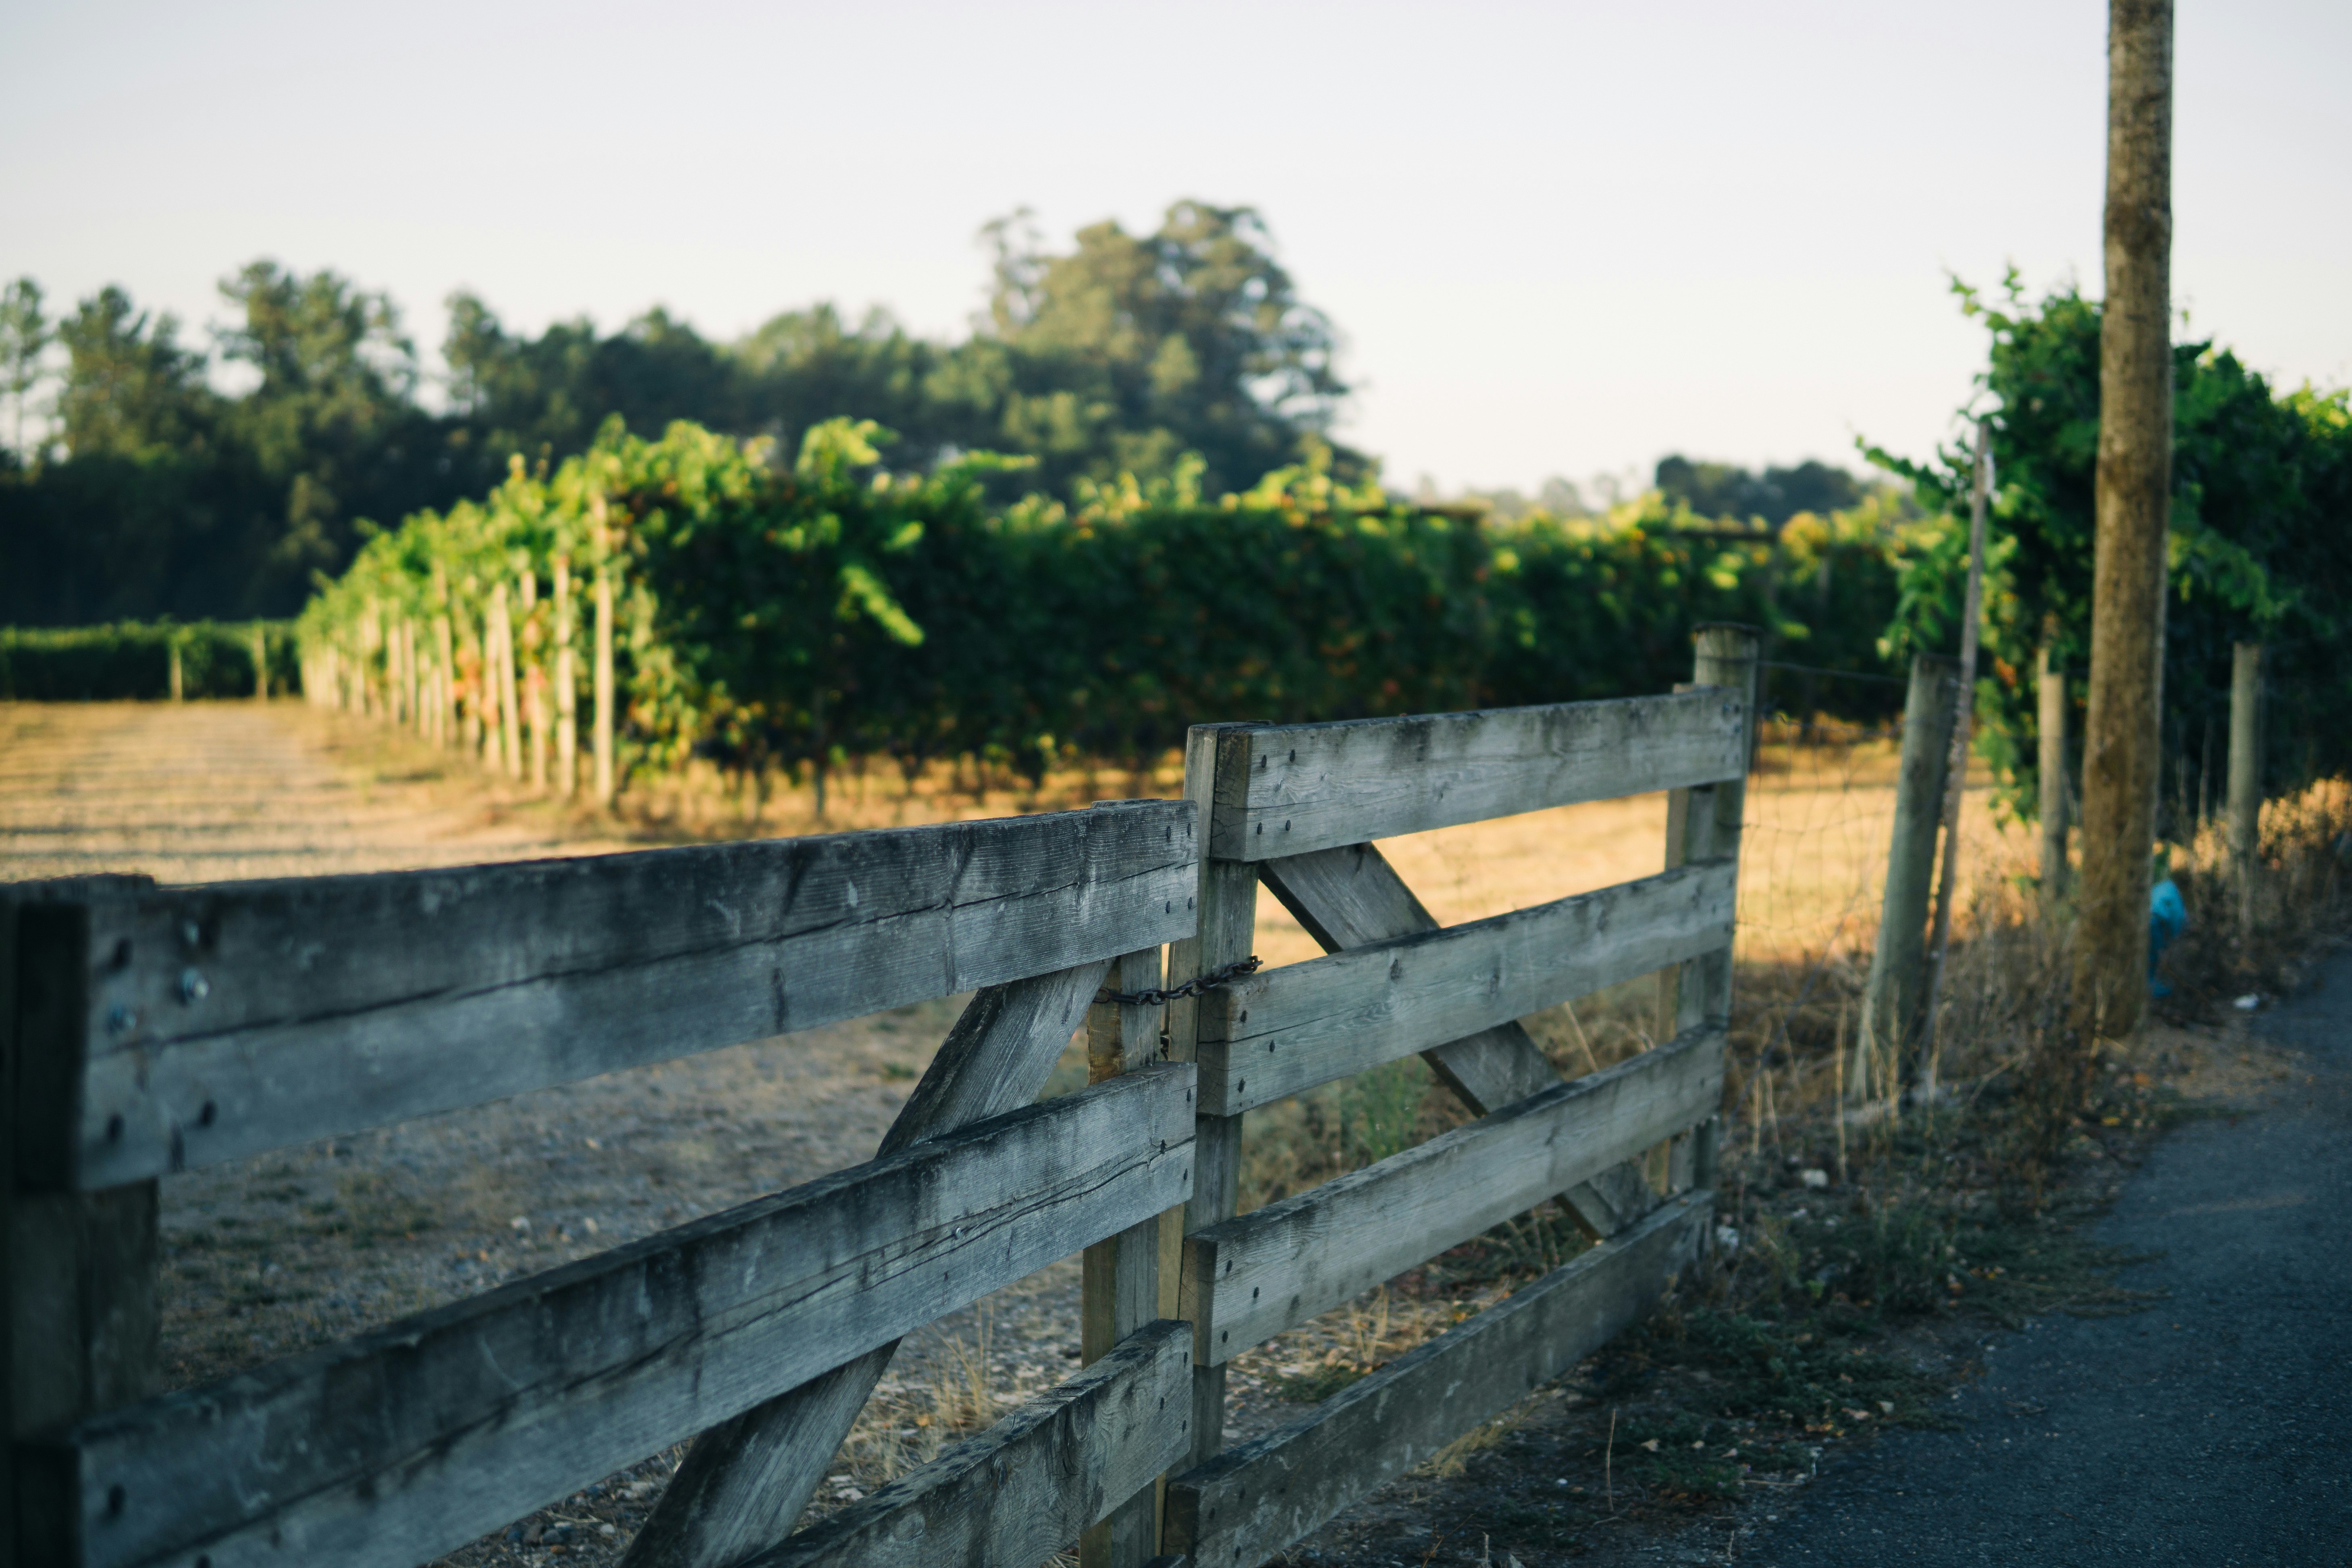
<point>2134,491</point>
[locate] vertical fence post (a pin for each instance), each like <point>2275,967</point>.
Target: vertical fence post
<point>79,1327</point>
<point>509,711</point>
<point>2246,777</point>
<point>1216,770</point>
<point>567,693</point>
<point>444,695</point>
<point>1899,965</point>
<point>534,679</point>
<point>260,662</point>
<point>370,650</point>
<point>1120,1285</point>
<point>172,641</point>
<point>603,674</point>
<point>2051,691</point>
<point>1704,824</point>
<point>413,673</point>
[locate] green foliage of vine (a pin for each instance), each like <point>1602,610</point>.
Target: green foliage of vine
<point>2259,550</point>
<point>781,614</point>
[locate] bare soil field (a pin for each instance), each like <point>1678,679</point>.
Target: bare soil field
<point>293,1248</point>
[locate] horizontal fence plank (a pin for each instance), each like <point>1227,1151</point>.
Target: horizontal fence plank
<point>1351,897</point>
<point>1021,1491</point>
<point>743,1482</point>
<point>394,1446</point>
<point>229,1018</point>
<point>1249,1279</point>
<point>1250,1503</point>
<point>1316,786</point>
<point>1288,1029</point>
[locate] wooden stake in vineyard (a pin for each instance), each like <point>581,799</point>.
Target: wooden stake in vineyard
<point>2134,489</point>
<point>445,706</point>
<point>604,737</point>
<point>509,713</point>
<point>534,679</point>
<point>411,676</point>
<point>567,695</point>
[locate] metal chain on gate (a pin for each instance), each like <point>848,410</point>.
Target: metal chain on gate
<point>1225,975</point>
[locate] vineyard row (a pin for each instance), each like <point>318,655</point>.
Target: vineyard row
<point>716,603</point>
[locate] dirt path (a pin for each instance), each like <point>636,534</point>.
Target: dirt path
<point>208,791</point>
<point>2212,1430</point>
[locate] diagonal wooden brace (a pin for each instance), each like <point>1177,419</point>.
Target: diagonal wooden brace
<point>1351,896</point>
<point>745,1482</point>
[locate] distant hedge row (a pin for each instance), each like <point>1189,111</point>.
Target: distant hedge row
<point>133,659</point>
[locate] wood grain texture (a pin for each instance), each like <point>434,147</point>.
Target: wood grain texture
<point>1315,787</point>
<point>392,1447</point>
<point>1284,1030</point>
<point>1250,1279</point>
<point>230,1018</point>
<point>1120,1290</point>
<point>1215,759</point>
<point>1021,1491</point>
<point>745,1481</point>
<point>999,1055</point>
<point>1242,1507</point>
<point>1350,897</point>
<point>1612,1201</point>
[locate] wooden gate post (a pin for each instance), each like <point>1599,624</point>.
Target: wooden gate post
<point>1216,767</point>
<point>79,1328</point>
<point>1899,963</point>
<point>1704,824</point>
<point>1121,1292</point>
<point>2246,777</point>
<point>2051,692</point>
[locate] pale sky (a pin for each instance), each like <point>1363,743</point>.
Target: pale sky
<point>1558,238</point>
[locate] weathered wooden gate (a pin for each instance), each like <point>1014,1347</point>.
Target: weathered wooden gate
<point>151,1029</point>
<point>1296,808</point>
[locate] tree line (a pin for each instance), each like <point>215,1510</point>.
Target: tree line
<point>152,493</point>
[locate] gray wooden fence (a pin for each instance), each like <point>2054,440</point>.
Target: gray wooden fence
<point>153,1030</point>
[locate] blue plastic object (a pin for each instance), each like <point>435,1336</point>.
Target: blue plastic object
<point>2168,917</point>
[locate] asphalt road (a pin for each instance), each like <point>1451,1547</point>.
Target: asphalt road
<point>2214,1429</point>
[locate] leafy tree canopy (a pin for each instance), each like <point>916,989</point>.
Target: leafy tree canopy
<point>1728,491</point>
<point>2261,482</point>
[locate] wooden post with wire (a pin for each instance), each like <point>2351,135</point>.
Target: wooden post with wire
<point>1121,1285</point>
<point>1956,773</point>
<point>2051,759</point>
<point>1703,824</point>
<point>1890,999</point>
<point>1216,770</point>
<point>2245,778</point>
